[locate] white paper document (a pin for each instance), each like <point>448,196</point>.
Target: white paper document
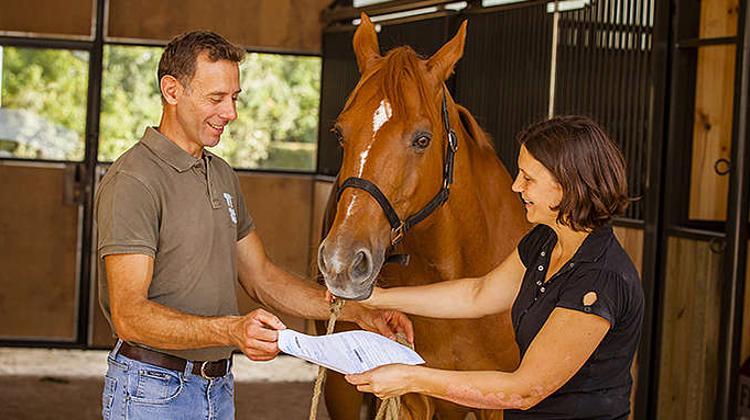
<point>347,352</point>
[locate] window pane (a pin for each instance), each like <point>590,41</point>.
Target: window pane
<point>130,97</point>
<point>277,124</point>
<point>43,103</point>
<point>277,120</point>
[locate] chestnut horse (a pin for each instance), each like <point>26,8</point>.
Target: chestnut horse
<point>399,161</point>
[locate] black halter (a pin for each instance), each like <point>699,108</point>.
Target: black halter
<point>400,227</point>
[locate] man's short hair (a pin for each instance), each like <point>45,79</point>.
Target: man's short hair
<point>588,165</point>
<point>180,56</point>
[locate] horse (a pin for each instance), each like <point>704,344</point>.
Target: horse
<point>409,149</point>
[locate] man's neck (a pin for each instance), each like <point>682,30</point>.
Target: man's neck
<point>169,128</point>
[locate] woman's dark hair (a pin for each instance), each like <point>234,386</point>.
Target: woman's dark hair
<point>588,165</point>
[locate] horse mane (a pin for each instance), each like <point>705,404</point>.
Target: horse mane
<point>474,130</point>
<point>401,66</point>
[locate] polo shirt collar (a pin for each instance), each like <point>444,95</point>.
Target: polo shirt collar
<point>594,246</point>
<point>168,151</point>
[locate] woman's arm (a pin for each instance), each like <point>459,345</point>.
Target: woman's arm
<point>462,298</point>
<point>563,345</point>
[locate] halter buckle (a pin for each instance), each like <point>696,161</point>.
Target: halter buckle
<point>397,234</point>
<point>452,140</point>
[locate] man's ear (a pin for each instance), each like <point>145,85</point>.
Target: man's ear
<point>169,89</point>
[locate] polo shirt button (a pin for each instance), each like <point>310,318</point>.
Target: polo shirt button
<point>540,268</point>
<point>542,289</point>
<point>543,254</point>
<point>539,283</point>
<point>572,264</point>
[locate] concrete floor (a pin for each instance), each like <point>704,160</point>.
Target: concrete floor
<point>41,384</point>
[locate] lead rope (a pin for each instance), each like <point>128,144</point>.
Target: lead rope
<point>389,408</point>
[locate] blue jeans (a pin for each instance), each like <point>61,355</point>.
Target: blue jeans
<point>135,390</point>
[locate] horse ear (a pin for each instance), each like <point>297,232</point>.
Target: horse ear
<point>365,42</point>
<point>442,62</point>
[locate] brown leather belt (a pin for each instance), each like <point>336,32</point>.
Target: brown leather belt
<point>208,370</point>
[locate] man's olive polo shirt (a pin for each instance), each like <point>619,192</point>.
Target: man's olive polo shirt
<point>188,214</point>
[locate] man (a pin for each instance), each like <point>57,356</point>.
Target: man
<point>173,236</point>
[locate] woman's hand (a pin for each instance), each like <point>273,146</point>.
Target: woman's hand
<point>388,323</point>
<point>385,381</point>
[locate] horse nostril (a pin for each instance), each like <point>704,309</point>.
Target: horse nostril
<point>361,266</point>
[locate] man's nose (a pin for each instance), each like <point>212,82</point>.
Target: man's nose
<point>230,111</point>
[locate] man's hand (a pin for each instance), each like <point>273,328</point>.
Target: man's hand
<point>256,335</point>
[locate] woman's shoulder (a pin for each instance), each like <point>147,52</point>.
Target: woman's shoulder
<point>533,241</point>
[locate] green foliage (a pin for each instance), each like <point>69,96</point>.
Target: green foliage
<point>130,98</point>
<point>278,108</point>
<point>51,84</point>
<point>279,104</point>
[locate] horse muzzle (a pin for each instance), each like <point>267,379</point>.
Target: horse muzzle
<point>349,271</point>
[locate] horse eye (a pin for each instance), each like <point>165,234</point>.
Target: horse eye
<point>422,141</point>
<point>337,133</point>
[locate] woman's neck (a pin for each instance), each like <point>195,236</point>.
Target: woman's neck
<point>568,240</point>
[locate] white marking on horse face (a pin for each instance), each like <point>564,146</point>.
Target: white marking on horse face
<point>350,208</point>
<point>363,160</point>
<point>381,116</point>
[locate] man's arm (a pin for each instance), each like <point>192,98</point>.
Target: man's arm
<point>276,288</point>
<point>137,319</point>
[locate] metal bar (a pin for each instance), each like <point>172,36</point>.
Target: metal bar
<point>704,42</point>
<point>589,60</point>
<point>509,7</point>
<point>645,50</point>
<point>629,83</point>
<point>64,44</point>
<point>730,334</point>
<point>631,55</point>
<point>618,99</point>
<point>40,343</point>
<point>695,233</point>
<point>553,59</point>
<point>89,176</point>
<point>649,350</point>
<point>598,59</point>
<point>349,13</point>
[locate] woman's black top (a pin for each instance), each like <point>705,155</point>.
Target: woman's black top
<point>601,388</point>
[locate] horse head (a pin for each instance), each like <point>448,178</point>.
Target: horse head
<point>397,155</point>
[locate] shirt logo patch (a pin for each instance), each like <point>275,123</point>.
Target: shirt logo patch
<point>230,207</point>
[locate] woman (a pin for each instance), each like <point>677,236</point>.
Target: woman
<point>575,296</point>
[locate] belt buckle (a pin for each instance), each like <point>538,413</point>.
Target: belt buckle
<point>203,371</point>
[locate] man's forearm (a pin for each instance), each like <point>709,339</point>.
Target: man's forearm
<point>288,293</point>
<point>158,326</point>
